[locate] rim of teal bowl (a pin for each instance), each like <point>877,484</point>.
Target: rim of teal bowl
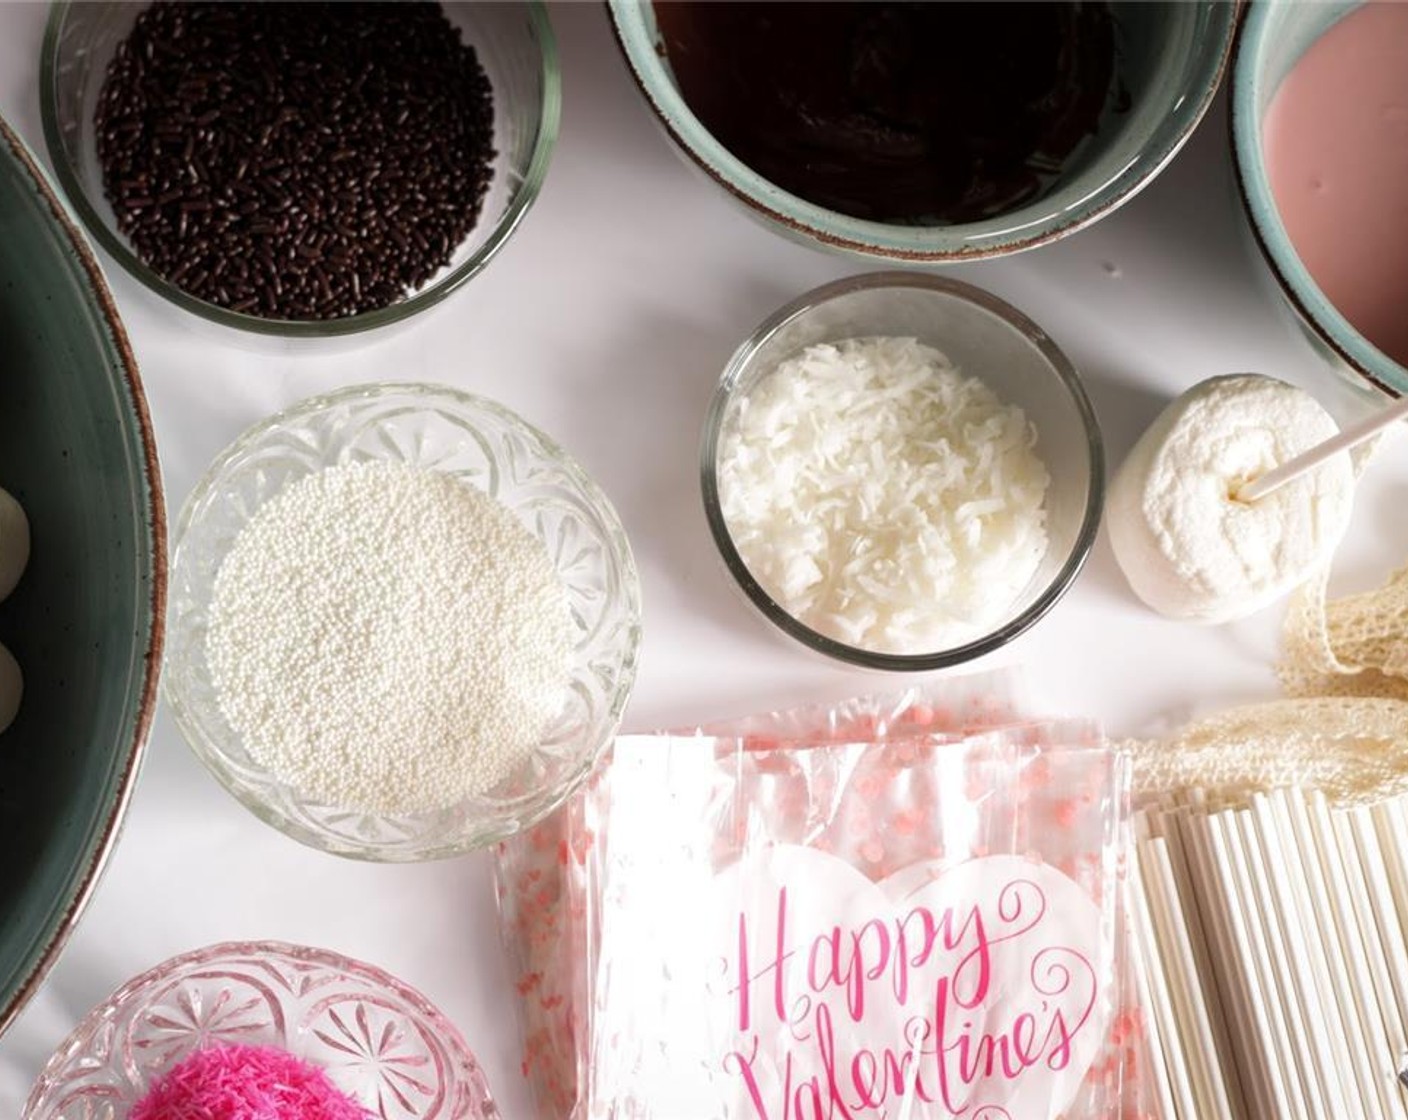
<point>549,123</point>
<point>100,845</point>
<point>1056,587</point>
<point>1293,278</point>
<point>920,244</point>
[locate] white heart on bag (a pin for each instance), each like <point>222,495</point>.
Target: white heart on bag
<point>976,992</point>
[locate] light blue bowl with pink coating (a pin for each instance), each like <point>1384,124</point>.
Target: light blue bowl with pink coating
<point>1273,37</point>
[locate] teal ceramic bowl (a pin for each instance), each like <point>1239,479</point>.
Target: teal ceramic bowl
<point>85,621</point>
<point>1272,39</point>
<point>1171,60</point>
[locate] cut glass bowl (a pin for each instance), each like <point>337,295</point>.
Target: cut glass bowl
<point>379,1041</point>
<point>487,446</point>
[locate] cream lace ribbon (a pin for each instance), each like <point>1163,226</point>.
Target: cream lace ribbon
<point>1355,646</point>
<point>1353,748</point>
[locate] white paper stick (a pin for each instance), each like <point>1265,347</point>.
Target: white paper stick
<point>1341,909</point>
<point>1380,976</point>
<point>1236,984</point>
<point>1385,916</point>
<point>1188,989</point>
<point>1331,1018</point>
<point>1287,962</point>
<point>1202,923</point>
<point>1167,1042</point>
<point>1393,842</point>
<point>1270,1010</point>
<point>1337,959</point>
<point>1307,461</point>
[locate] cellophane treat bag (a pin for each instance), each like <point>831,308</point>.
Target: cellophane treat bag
<point>874,910</point>
<point>539,873</point>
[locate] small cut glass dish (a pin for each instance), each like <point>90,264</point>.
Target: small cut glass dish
<point>379,1041</point>
<point>487,446</point>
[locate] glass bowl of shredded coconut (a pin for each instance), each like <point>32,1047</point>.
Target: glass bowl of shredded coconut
<point>902,472</point>
<point>404,622</point>
<point>263,1029</point>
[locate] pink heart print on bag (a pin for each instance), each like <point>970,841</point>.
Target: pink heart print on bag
<point>748,960</point>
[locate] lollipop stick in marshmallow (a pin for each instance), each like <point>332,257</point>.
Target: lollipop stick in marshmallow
<point>1370,426</point>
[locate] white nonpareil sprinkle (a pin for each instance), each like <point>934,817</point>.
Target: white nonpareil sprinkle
<point>881,497</point>
<point>388,639</point>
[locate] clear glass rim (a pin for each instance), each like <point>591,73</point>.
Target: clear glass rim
<point>534,806</point>
<point>549,123</point>
<point>1059,364</point>
<point>1015,231</point>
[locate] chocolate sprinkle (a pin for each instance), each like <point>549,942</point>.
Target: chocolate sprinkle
<point>295,161</point>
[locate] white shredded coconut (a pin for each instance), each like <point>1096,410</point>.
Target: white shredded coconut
<point>388,639</point>
<point>881,497</point>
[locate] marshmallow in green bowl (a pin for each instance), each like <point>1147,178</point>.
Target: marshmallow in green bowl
<point>14,554</point>
<point>14,542</point>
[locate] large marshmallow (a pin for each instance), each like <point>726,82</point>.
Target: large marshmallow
<point>14,543</point>
<point>1188,547</point>
<point>11,688</point>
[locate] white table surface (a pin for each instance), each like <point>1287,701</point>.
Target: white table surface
<point>606,321</point>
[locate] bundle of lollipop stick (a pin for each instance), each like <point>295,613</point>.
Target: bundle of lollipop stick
<point>1270,931</point>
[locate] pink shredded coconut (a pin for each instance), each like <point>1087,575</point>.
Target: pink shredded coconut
<point>246,1083</point>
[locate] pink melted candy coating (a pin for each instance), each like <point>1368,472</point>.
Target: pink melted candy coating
<point>1336,147</point>
<point>246,1083</point>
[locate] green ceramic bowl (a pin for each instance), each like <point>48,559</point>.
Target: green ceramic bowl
<point>1171,60</point>
<point>85,622</point>
<point>1271,41</point>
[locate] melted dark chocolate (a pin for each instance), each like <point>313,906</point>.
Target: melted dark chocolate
<point>919,113</point>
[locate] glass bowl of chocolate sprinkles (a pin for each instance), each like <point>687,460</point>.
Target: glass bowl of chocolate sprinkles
<point>300,170</point>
